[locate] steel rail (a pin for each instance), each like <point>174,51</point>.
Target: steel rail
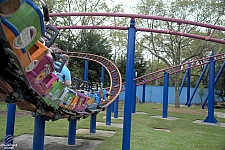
<point>178,68</point>
<point>141,16</point>
<point>114,73</point>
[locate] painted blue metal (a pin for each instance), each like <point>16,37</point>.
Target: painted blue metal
<point>102,77</point>
<point>196,86</point>
<point>86,70</point>
<point>219,73</point>
<point>10,125</point>
<point>134,98</point>
<point>129,85</point>
<point>108,114</point>
<point>217,77</point>
<point>183,81</point>
<point>188,84</point>
<point>143,93</point>
<point>72,122</point>
<point>116,107</point>
<point>72,132</point>
<point>93,123</point>
<point>165,95</point>
<point>112,107</point>
<point>210,118</point>
<point>39,133</point>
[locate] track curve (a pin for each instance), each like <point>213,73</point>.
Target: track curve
<point>176,21</point>
<point>178,68</point>
<point>114,73</point>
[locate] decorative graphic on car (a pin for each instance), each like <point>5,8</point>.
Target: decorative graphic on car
<point>25,37</point>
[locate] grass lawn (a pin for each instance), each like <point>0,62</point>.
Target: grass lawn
<point>183,134</point>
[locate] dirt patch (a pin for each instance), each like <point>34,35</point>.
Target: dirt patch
<point>18,114</point>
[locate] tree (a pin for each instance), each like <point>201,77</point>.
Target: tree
<point>219,87</point>
<point>172,49</point>
<point>92,43</point>
<point>140,65</point>
<point>201,92</point>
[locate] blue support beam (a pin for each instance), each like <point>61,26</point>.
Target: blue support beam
<point>39,133</point>
<point>102,77</point>
<point>86,70</point>
<point>11,113</point>
<point>72,132</point>
<point>216,79</point>
<point>116,107</point>
<point>129,86</point>
<point>183,81</point>
<point>196,86</point>
<point>134,98</point>
<point>189,83</point>
<point>210,118</point>
<point>112,107</point>
<point>108,114</point>
<point>143,93</point>
<point>165,95</point>
<point>93,123</point>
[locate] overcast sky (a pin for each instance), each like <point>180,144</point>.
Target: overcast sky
<point>127,4</point>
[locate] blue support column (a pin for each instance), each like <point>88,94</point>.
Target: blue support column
<point>73,122</point>
<point>39,133</point>
<point>93,123</point>
<point>86,70</point>
<point>217,77</point>
<point>196,86</point>
<point>183,81</point>
<point>143,93</point>
<point>129,86</point>
<point>102,77</point>
<point>165,95</point>
<point>134,98</point>
<point>72,132</point>
<point>10,126</point>
<point>188,84</point>
<point>108,114</point>
<point>116,107</point>
<point>112,107</point>
<point>210,118</point>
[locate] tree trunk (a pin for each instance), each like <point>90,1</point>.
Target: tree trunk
<point>177,90</point>
<point>177,98</point>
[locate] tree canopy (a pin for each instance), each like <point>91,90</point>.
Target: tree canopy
<point>153,51</point>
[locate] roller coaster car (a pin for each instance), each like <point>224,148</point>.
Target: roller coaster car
<point>23,29</point>
<point>71,103</point>
<point>81,105</point>
<point>54,97</point>
<point>9,7</point>
<point>94,86</point>
<point>93,103</point>
<point>103,96</point>
<point>66,99</point>
<point>79,84</point>
<point>42,77</point>
<point>5,89</point>
<point>76,83</point>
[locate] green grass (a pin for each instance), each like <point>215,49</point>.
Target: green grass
<point>184,135</point>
